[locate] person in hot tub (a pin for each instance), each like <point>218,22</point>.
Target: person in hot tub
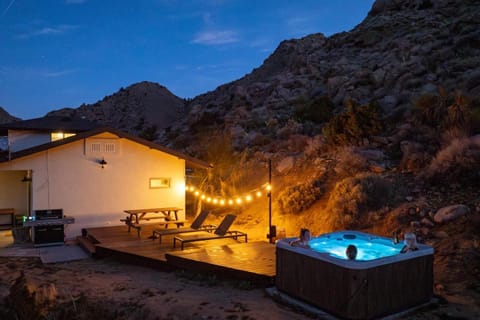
<point>351,252</point>
<point>303,240</point>
<point>410,242</point>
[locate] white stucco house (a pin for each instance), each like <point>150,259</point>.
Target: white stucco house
<point>92,173</point>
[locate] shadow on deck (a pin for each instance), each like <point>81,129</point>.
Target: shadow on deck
<point>253,261</point>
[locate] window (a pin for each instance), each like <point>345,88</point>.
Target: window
<point>158,183</point>
<point>54,136</point>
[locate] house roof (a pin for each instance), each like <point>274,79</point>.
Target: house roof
<point>51,123</point>
<point>190,161</point>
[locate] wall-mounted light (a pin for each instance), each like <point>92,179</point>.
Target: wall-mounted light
<point>103,163</point>
<point>28,176</point>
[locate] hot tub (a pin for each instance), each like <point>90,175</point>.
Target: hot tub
<point>367,288</point>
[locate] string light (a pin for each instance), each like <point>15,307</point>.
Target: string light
<point>247,197</point>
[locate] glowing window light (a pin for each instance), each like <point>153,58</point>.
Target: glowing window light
<point>54,136</point>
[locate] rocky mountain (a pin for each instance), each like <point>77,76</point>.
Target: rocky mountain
<point>401,51</point>
<point>5,117</point>
<point>143,109</point>
<point>375,129</point>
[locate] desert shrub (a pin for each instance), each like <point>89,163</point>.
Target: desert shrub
<point>430,109</point>
<point>475,116</point>
<point>317,110</point>
<point>354,124</point>
<point>140,124</point>
<point>459,113</point>
<point>445,111</point>
<point>149,133</point>
<point>204,119</point>
<point>290,127</point>
<point>459,161</point>
<point>353,197</point>
<point>297,142</point>
<point>300,197</point>
<point>315,146</point>
<point>223,176</point>
<point>349,163</point>
<point>260,140</point>
<point>425,4</point>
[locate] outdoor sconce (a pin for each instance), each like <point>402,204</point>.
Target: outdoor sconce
<point>103,163</point>
<point>28,176</point>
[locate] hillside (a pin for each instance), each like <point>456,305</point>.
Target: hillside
<point>5,117</point>
<point>143,109</point>
<point>398,53</point>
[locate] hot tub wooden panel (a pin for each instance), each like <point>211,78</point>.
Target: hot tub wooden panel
<point>355,293</point>
<point>320,283</point>
<point>400,285</point>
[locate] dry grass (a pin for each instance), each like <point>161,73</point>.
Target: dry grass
<point>458,161</point>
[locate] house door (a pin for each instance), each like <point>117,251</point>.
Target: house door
<point>15,193</point>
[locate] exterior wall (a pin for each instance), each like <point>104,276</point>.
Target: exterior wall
<point>13,193</point>
<point>70,177</point>
<point>22,139</point>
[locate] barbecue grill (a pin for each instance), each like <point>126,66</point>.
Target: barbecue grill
<point>48,227</point>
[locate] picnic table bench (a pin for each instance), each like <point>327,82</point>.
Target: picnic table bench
<point>167,216</point>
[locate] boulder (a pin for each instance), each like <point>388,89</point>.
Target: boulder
<point>285,164</point>
<point>441,235</point>
<point>427,222</point>
<point>450,213</point>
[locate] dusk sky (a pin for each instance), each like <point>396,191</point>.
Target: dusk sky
<point>62,53</point>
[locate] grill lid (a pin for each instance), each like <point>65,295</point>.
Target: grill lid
<point>49,214</point>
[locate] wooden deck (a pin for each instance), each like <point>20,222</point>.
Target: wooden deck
<point>252,261</point>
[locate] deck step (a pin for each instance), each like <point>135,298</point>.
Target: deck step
<point>87,245</point>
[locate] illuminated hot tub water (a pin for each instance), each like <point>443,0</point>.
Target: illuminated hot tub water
<point>379,282</point>
<point>368,247</point>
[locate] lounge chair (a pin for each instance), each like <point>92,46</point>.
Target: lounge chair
<point>197,225</point>
<point>221,232</point>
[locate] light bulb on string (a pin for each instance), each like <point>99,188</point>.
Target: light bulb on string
<point>238,199</point>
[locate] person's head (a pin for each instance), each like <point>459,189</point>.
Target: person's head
<point>410,240</point>
<point>351,252</point>
<point>305,234</point>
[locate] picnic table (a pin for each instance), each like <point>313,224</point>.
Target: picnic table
<point>167,216</point>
